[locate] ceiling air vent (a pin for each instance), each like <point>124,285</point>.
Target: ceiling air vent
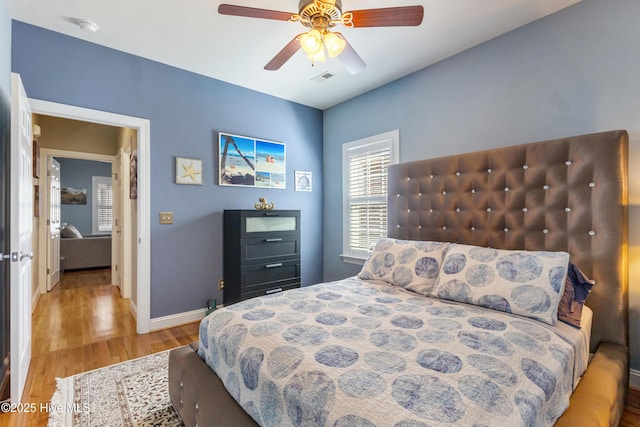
<point>322,77</point>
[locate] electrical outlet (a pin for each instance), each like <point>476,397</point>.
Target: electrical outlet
<point>166,217</point>
<point>221,284</point>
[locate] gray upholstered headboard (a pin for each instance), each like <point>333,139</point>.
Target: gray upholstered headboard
<point>568,194</point>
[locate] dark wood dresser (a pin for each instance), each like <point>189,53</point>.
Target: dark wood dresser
<point>261,253</point>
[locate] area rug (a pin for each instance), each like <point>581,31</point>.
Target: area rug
<point>131,393</point>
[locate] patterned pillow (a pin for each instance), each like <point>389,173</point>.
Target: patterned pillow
<point>576,290</point>
<point>413,265</point>
<point>526,283</point>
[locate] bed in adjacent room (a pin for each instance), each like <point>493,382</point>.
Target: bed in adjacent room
<point>469,313</point>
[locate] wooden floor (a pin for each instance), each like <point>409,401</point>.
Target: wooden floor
<point>83,324</point>
<point>80,325</point>
<point>631,416</point>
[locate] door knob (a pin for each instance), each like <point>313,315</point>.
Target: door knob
<point>23,255</point>
<point>13,256</point>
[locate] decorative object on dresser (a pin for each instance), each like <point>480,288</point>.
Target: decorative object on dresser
<point>263,205</point>
<point>261,253</point>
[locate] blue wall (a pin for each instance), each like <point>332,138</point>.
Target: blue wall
<point>78,173</point>
<point>186,111</point>
<point>571,73</point>
<point>5,48</point>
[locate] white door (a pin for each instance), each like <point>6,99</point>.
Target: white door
<point>116,227</point>
<point>53,237</point>
<point>126,222</point>
<point>21,220</point>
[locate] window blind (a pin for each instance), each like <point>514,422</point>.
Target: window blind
<point>103,200</point>
<point>368,197</point>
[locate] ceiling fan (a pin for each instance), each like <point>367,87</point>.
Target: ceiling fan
<point>320,16</point>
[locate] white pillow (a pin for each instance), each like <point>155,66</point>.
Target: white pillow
<point>70,231</point>
<point>411,264</point>
<point>527,283</point>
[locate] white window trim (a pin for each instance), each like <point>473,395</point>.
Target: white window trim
<point>95,181</point>
<point>389,139</point>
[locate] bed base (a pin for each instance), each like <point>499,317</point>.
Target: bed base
<point>198,395</point>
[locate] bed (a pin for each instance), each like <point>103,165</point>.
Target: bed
<point>566,195</point>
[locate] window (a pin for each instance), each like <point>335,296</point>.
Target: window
<point>364,172</point>
<point>102,205</point>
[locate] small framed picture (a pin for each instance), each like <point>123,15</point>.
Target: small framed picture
<point>36,159</point>
<point>303,180</point>
<point>36,200</point>
<point>188,171</point>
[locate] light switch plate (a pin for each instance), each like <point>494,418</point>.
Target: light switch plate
<point>166,217</point>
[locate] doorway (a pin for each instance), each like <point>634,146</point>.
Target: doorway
<point>141,238</point>
<point>77,226</point>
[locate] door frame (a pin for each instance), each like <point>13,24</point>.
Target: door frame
<point>44,230</point>
<point>142,307</point>
<point>43,233</point>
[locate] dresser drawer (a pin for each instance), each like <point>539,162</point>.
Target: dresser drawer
<point>265,224</point>
<point>267,249</point>
<point>269,289</point>
<point>269,273</point>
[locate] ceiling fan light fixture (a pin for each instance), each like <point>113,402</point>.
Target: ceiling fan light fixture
<point>311,42</point>
<point>317,57</point>
<point>334,43</point>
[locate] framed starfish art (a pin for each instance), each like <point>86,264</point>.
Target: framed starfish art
<point>188,171</point>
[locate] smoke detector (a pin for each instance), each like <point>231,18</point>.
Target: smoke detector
<point>87,26</point>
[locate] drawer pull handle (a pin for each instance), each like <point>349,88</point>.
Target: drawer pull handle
<point>278,264</point>
<point>279,239</point>
<point>273,291</point>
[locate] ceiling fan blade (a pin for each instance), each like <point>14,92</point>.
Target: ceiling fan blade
<point>252,12</point>
<point>284,55</point>
<point>409,16</point>
<point>350,58</point>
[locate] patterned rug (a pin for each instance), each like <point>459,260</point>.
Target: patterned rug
<point>131,393</point>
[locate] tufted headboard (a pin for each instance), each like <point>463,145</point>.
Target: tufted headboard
<point>567,194</point>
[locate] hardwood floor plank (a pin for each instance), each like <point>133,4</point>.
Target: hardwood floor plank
<point>83,324</point>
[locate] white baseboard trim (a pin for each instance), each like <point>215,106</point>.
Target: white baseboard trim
<point>634,378</point>
<point>177,319</point>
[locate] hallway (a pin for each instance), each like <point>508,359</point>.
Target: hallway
<point>83,324</point>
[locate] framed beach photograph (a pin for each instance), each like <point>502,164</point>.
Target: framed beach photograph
<point>303,180</point>
<point>188,171</point>
<point>250,162</point>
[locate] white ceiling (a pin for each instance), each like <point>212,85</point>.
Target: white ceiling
<point>190,34</point>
